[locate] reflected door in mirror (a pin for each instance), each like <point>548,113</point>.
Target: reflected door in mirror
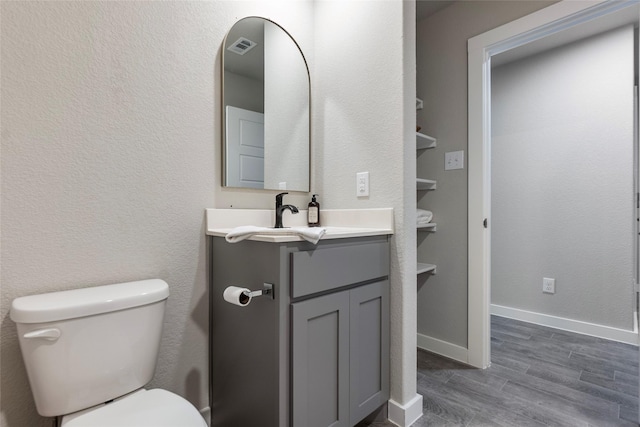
<point>245,148</point>
<point>265,74</point>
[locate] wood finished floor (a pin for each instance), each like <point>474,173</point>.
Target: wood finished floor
<point>538,377</point>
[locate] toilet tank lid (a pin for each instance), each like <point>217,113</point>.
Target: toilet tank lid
<point>82,302</point>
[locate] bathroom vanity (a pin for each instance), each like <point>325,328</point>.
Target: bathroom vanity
<point>315,352</point>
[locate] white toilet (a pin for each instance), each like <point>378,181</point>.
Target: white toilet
<point>88,353</point>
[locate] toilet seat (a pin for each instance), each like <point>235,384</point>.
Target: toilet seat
<point>142,408</point>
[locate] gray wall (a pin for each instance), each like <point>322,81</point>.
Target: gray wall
<point>562,181</point>
<point>442,84</point>
<point>244,92</point>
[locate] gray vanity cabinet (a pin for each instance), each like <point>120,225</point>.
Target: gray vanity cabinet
<point>317,354</point>
<point>368,349</point>
<point>340,356</point>
<point>320,361</point>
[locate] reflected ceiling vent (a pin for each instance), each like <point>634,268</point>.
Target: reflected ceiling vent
<point>242,46</point>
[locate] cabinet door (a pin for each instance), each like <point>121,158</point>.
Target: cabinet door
<point>320,361</point>
<point>369,347</point>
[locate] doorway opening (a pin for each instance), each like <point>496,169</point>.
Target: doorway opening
<point>537,32</point>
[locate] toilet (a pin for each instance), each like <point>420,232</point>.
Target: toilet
<point>89,352</point>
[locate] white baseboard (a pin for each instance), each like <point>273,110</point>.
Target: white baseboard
<point>443,348</point>
<point>405,415</point>
<point>577,326</point>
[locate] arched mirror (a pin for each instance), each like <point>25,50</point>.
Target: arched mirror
<point>266,108</point>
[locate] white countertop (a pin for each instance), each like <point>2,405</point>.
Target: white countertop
<point>339,223</point>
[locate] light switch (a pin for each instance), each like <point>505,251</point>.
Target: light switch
<point>454,160</point>
<point>362,184</point>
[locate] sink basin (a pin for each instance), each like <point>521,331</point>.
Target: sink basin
<point>338,223</point>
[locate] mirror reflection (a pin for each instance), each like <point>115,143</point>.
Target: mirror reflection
<point>266,108</point>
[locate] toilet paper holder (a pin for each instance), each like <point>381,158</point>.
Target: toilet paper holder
<point>243,296</point>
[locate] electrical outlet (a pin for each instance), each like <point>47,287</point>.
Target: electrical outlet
<point>454,160</point>
<point>548,285</point>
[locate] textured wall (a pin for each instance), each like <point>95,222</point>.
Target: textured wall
<point>442,84</point>
<point>562,181</point>
<point>360,115</point>
<point>111,133</point>
<point>110,154</point>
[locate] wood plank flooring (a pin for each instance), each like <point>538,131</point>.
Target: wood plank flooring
<point>538,377</point>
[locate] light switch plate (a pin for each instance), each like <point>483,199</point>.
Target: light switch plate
<point>454,160</point>
<point>362,184</point>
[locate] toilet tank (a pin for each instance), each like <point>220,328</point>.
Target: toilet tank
<point>87,346</point>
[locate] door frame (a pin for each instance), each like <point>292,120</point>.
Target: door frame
<point>547,21</point>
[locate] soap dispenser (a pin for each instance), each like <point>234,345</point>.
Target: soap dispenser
<point>313,216</point>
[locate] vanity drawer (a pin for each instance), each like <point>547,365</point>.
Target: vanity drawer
<point>325,269</point>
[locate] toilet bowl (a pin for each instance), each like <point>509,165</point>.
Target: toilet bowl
<point>89,352</point>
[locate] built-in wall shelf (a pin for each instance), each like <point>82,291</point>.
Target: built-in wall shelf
<point>424,141</point>
<point>425,184</point>
<point>426,268</point>
<point>427,227</point>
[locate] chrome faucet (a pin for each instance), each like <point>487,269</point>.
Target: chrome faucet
<point>280,208</point>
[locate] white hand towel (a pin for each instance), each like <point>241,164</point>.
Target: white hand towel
<point>423,216</point>
<point>310,234</point>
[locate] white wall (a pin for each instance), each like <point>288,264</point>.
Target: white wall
<point>286,127</point>
<point>442,84</point>
<point>363,110</point>
<point>562,181</point>
<point>111,129</point>
<point>111,133</point>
